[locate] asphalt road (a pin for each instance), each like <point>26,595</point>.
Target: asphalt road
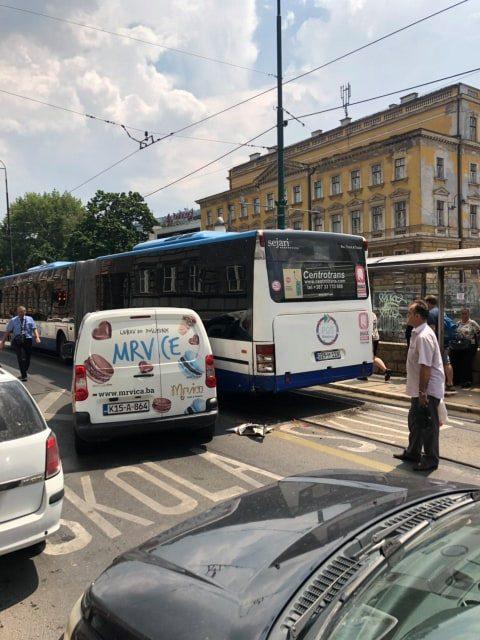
<point>130,490</point>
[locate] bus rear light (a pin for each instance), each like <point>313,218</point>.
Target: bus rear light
<point>52,457</point>
<point>265,356</point>
<point>80,383</point>
<point>365,245</point>
<point>210,379</point>
<point>261,238</point>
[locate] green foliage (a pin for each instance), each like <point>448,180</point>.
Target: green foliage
<point>41,227</point>
<point>113,222</point>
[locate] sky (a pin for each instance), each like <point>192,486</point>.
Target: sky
<point>158,90</point>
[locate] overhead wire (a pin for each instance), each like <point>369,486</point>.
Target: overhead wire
<point>118,34</point>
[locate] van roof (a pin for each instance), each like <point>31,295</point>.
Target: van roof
<point>140,311</point>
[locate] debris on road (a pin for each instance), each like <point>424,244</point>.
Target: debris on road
<point>251,429</point>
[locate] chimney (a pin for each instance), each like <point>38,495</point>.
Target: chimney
<point>254,156</point>
<point>408,98</point>
<point>392,106</point>
<point>272,149</point>
<point>317,132</point>
<point>345,121</point>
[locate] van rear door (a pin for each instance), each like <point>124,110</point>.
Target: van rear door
<point>183,346</point>
<point>123,368</point>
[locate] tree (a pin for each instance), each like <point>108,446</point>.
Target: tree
<point>114,222</point>
<point>41,227</point>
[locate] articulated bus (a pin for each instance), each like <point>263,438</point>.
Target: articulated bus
<point>283,309</point>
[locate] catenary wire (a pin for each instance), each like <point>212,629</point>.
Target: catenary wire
<point>133,38</point>
<point>207,164</point>
<point>302,75</point>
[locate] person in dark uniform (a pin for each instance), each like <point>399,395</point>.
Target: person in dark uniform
<point>24,331</point>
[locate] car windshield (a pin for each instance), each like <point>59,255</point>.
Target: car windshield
<point>19,417</point>
<point>428,590</point>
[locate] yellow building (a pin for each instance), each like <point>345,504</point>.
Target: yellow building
<point>403,177</point>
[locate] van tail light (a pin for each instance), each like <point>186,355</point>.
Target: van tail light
<point>365,245</point>
<point>265,354</point>
<point>210,379</point>
<point>80,384</point>
<point>52,458</point>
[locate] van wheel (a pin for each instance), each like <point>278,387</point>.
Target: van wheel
<point>82,447</point>
<point>206,434</point>
<point>61,340</point>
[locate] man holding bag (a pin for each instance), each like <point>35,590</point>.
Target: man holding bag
<point>24,331</point>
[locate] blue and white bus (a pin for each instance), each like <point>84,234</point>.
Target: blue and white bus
<point>283,309</point>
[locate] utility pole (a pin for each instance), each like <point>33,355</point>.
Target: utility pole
<point>3,166</point>
<point>280,125</point>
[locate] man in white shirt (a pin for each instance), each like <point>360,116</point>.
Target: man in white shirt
<point>425,386</point>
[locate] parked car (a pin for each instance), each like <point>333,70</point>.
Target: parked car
<point>329,555</point>
<point>31,477</point>
<point>142,370</point>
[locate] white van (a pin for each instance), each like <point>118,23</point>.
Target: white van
<point>142,370</point>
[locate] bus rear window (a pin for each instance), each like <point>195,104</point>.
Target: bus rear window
<point>307,266</point>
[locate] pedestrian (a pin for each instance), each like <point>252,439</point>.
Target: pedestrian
<point>448,334</point>
<point>425,386</point>
<point>463,349</point>
<point>24,331</point>
<point>378,362</point>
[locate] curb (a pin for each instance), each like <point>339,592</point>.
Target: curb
<point>454,406</point>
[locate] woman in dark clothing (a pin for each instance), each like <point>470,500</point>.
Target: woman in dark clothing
<point>468,333</point>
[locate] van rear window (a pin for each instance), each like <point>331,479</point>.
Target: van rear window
<point>19,417</point>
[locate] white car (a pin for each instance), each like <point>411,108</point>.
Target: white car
<point>31,476</point>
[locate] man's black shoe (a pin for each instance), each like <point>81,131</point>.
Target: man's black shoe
<point>425,466</point>
<point>24,378</point>
<point>405,457</point>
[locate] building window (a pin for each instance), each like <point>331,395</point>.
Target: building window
<point>377,177</point>
<point>472,128</point>
<point>231,213</point>
<point>297,194</point>
<point>256,206</point>
<point>243,209</point>
<point>236,278</point>
<point>169,279</point>
<point>440,213</point>
<point>317,222</point>
<point>377,254</point>
<point>146,281</point>
<point>317,189</point>
<point>270,201</point>
<point>473,173</point>
<point>356,222</point>
<point>399,252</point>
<point>337,223</point>
<point>377,219</point>
<point>355,179</point>
<point>399,168</point>
<point>400,215</point>
<point>473,216</point>
<point>440,169</point>
<point>297,225</point>
<point>209,217</point>
<point>335,181</point>
<point>194,279</point>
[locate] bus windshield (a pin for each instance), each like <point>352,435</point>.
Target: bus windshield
<point>308,266</point>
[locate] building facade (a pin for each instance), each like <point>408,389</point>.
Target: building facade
<point>407,178</point>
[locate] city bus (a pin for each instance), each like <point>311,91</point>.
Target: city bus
<point>282,309</point>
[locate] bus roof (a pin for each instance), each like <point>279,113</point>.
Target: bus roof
<point>40,267</point>
<point>184,240</point>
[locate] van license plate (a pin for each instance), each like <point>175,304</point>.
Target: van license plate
<point>117,408</point>
<point>333,354</point>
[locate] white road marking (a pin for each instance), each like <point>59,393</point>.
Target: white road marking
<point>218,496</point>
<point>50,399</point>
<point>81,538</point>
<point>185,502</point>
<point>362,446</point>
<point>236,468</point>
<point>347,429</point>
<point>369,423</point>
<point>90,507</point>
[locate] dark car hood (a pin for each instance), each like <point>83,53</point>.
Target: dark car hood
<point>228,572</point>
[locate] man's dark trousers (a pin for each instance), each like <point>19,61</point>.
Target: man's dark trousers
<point>23,349</point>
<point>424,428</point>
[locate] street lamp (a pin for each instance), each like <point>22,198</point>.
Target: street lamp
<point>3,166</point>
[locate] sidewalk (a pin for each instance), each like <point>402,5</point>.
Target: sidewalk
<point>467,400</point>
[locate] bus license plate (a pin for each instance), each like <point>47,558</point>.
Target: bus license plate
<point>120,408</point>
<point>333,354</point>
